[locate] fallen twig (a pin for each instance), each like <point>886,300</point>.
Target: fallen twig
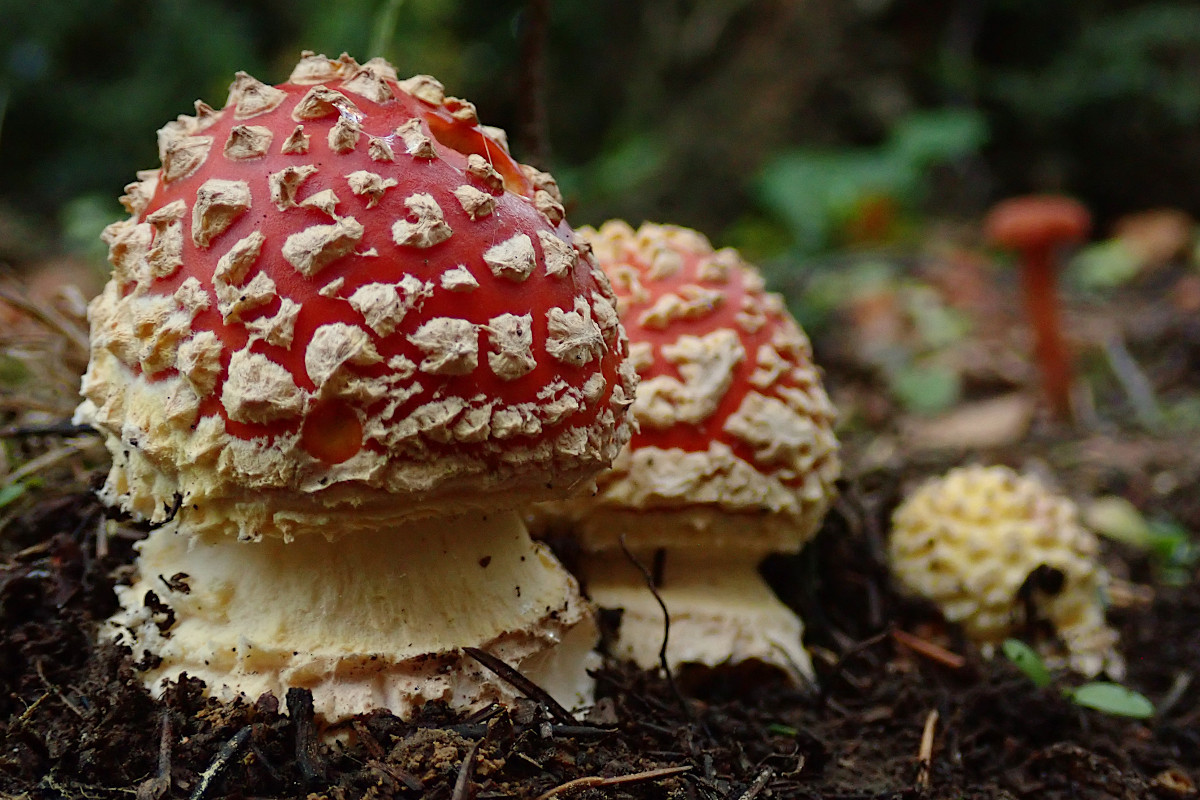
<point>466,770</point>
<point>925,752</point>
<point>63,428</point>
<point>44,461</point>
<point>929,649</point>
<point>157,786</point>
<point>300,709</point>
<point>47,316</point>
<point>225,756</point>
<point>760,783</point>
<point>594,781</point>
<point>46,682</point>
<point>518,681</point>
<point>662,651</point>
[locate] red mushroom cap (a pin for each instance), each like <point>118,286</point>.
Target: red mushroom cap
<point>342,289</point>
<point>736,431</point>
<point>1036,221</point>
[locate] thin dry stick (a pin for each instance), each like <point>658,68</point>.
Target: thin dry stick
<point>510,674</point>
<point>46,316</point>
<point>46,682</point>
<point>45,460</point>
<point>929,649</point>
<point>225,756</point>
<point>925,753</point>
<point>466,771</point>
<point>662,651</point>
<point>593,781</point>
<point>155,787</point>
<point>63,428</point>
<point>760,783</point>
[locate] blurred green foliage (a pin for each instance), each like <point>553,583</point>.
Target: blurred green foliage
<point>817,192</point>
<point>773,125</point>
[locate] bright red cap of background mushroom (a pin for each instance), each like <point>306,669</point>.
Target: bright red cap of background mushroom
<point>1021,223</point>
<point>736,431</point>
<point>341,289</point>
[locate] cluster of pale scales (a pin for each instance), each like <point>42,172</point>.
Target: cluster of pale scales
<point>352,353</point>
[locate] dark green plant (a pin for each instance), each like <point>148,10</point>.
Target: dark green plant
<point>813,190</point>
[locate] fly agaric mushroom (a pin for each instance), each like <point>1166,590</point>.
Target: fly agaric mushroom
<point>1036,227</point>
<point>997,551</point>
<point>345,335</point>
<point>735,458</point>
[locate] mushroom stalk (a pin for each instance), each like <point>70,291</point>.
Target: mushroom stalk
<point>370,620</point>
<point>1034,226</point>
<point>1039,287</point>
<point>721,612</point>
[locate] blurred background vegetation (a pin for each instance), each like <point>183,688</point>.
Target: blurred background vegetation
<point>787,128</point>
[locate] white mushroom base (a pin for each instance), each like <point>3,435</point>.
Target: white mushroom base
<point>369,621</point>
<point>722,613</point>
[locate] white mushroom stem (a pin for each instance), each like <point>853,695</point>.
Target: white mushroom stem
<point>721,611</point>
<point>373,620</point>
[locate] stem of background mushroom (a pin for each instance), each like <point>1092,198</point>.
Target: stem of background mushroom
<point>1041,303</point>
<point>374,619</point>
<point>721,611</point>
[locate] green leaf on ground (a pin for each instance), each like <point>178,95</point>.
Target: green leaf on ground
<point>1112,698</point>
<point>1027,660</point>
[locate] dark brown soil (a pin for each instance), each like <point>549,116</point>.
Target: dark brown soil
<point>77,723</point>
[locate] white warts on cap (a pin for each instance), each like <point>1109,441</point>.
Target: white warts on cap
<point>560,257</point>
<point>166,251</point>
<point>286,183</point>
<point>512,338</point>
<point>246,142</point>
<point>416,143</point>
<point>250,97</point>
<point>459,279</point>
<point>370,184</point>
<point>334,345</point>
<point>259,390</point>
<point>428,226</point>
<point>318,246</point>
<point>343,136</point>
<point>450,345</point>
<point>218,204</point>
<point>513,258</point>
<point>573,337</point>
<point>384,305</point>
<point>475,202</point>
<point>321,101</point>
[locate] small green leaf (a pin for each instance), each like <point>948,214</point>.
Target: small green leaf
<point>1112,698</point>
<point>926,389</point>
<point>11,492</point>
<point>779,729</point>
<point>1027,660</point>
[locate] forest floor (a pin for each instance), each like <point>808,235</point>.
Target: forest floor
<point>906,708</point>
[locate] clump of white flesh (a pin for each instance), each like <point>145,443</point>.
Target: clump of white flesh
<point>721,611</point>
<point>369,621</point>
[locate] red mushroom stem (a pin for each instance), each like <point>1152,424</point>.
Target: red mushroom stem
<point>1035,226</point>
<point>1039,285</point>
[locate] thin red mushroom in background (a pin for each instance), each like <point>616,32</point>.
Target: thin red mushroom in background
<point>1036,227</point>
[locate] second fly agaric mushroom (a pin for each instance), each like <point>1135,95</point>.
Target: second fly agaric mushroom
<point>345,335</point>
<point>735,458</point>
<point>1036,227</point>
